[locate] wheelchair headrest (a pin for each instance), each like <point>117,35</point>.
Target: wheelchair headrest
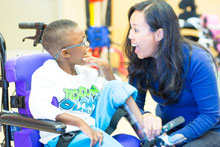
<point>21,68</point>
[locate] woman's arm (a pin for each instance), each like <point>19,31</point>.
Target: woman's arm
<point>204,88</point>
<point>152,123</point>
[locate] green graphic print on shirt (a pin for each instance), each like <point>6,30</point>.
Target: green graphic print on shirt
<point>81,99</point>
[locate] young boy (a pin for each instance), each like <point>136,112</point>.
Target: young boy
<point>86,101</point>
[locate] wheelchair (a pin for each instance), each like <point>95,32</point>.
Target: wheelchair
<point>20,126</point>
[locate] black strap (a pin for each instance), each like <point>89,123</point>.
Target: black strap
<point>66,138</point>
<point>115,119</point>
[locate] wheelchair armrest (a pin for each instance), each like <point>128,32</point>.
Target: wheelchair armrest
<point>20,120</point>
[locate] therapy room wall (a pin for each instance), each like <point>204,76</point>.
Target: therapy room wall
<point>120,9</point>
<point>13,12</point>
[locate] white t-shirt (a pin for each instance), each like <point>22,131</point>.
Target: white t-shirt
<point>77,95</point>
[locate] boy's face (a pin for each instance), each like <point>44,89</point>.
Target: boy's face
<point>77,46</point>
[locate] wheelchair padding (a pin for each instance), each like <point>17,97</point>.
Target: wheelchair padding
<point>127,140</point>
<point>20,70</point>
<point>27,138</point>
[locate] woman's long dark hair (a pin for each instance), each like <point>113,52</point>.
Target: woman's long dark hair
<point>167,66</point>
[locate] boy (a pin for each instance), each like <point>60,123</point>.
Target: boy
<point>86,101</point>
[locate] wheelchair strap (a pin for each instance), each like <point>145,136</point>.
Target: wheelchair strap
<point>115,119</point>
<point>66,138</point>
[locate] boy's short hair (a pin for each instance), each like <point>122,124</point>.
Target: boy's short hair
<point>55,34</point>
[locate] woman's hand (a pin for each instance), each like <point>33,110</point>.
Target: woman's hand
<point>152,125</point>
<point>95,136</point>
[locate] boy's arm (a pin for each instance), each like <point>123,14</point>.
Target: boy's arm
<point>107,70</point>
<point>69,119</point>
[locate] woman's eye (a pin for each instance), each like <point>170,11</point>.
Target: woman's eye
<point>135,30</point>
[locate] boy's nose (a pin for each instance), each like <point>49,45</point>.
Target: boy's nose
<point>87,44</point>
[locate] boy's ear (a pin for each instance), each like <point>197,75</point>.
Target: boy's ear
<point>65,53</point>
<point>159,34</point>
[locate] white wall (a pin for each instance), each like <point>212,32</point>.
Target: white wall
<point>12,12</point>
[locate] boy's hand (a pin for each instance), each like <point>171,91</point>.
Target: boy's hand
<point>69,119</point>
<point>94,135</point>
<point>101,63</point>
<point>90,60</point>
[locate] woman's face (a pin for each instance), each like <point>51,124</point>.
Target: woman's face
<point>142,39</point>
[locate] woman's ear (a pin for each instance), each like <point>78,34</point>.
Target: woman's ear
<point>159,34</point>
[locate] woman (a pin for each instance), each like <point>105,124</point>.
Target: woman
<point>179,74</point>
